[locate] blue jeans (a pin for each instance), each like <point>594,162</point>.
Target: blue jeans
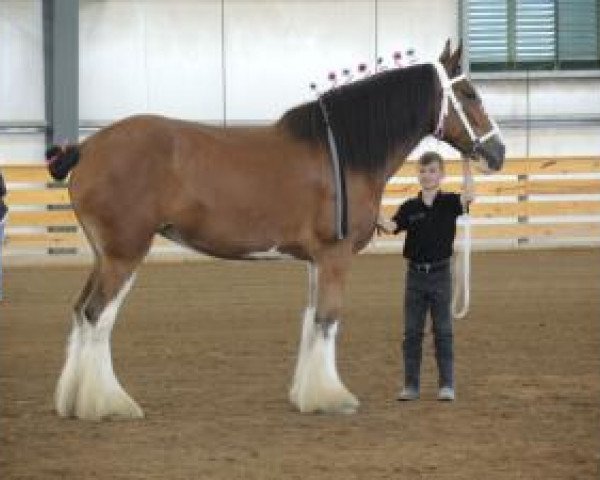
<point>428,292</point>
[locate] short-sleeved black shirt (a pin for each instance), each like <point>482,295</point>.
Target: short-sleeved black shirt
<point>430,231</point>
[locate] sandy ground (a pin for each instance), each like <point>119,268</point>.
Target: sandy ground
<point>208,350</point>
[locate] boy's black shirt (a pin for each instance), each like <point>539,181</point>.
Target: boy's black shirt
<point>430,231</point>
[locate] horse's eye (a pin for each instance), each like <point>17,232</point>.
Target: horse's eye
<point>471,95</point>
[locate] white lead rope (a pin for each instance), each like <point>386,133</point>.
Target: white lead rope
<point>466,260</point>
<point>466,271</point>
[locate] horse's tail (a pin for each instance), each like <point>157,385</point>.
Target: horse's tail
<point>61,160</point>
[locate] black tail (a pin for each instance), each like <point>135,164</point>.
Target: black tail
<point>61,160</point>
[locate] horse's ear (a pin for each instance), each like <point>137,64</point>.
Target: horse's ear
<point>445,54</point>
<point>454,63</point>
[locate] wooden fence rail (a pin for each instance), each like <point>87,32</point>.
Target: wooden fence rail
<point>534,200</point>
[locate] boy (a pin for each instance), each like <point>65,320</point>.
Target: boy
<point>430,223</point>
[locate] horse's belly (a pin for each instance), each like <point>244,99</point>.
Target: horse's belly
<point>235,244</point>
<point>248,216</point>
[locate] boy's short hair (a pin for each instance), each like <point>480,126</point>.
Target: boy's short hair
<point>431,157</point>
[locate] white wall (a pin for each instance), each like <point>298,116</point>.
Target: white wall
<point>166,57</point>
<point>154,56</point>
<point>547,98</point>
<point>422,25</point>
<point>150,56</point>
<point>21,61</point>
<point>21,76</point>
<point>274,49</point>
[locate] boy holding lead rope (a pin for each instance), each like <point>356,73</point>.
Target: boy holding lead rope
<point>430,224</point>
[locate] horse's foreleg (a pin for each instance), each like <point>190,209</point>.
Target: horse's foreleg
<point>317,386</point>
<point>306,334</point>
<point>88,387</point>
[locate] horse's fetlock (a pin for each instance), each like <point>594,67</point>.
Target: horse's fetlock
<point>325,324</point>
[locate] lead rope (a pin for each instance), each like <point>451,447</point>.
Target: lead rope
<point>466,256</point>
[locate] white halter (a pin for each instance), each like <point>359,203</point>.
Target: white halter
<point>448,94</point>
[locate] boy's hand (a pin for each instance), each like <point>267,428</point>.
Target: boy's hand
<point>467,197</point>
<point>385,225</point>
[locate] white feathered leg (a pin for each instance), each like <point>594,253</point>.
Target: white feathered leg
<point>88,387</point>
<point>66,390</point>
<point>309,317</point>
<point>317,386</point>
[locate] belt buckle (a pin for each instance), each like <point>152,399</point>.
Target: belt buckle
<point>423,267</point>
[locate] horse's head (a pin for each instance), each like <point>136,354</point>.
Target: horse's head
<point>463,122</point>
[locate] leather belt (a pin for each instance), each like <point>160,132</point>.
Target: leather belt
<point>428,267</point>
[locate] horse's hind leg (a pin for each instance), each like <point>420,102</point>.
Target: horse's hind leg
<point>88,387</point>
<point>317,386</point>
<point>66,389</point>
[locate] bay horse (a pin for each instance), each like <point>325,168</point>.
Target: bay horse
<point>239,193</point>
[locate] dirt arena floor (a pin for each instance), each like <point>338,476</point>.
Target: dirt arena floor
<point>208,350</point>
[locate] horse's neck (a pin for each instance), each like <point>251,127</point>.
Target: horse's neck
<point>397,158</point>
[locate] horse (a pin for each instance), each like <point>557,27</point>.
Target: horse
<point>248,193</point>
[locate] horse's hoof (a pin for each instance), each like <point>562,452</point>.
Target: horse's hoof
<point>130,411</point>
<point>350,407</point>
<point>118,406</point>
<point>338,401</point>
<point>347,406</point>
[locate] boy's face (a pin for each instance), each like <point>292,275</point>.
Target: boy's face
<point>430,176</point>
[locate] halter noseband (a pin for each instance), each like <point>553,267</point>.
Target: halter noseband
<point>448,94</point>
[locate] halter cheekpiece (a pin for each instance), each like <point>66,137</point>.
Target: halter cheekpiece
<point>448,95</point>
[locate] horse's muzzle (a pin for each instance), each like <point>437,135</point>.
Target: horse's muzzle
<point>492,151</point>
